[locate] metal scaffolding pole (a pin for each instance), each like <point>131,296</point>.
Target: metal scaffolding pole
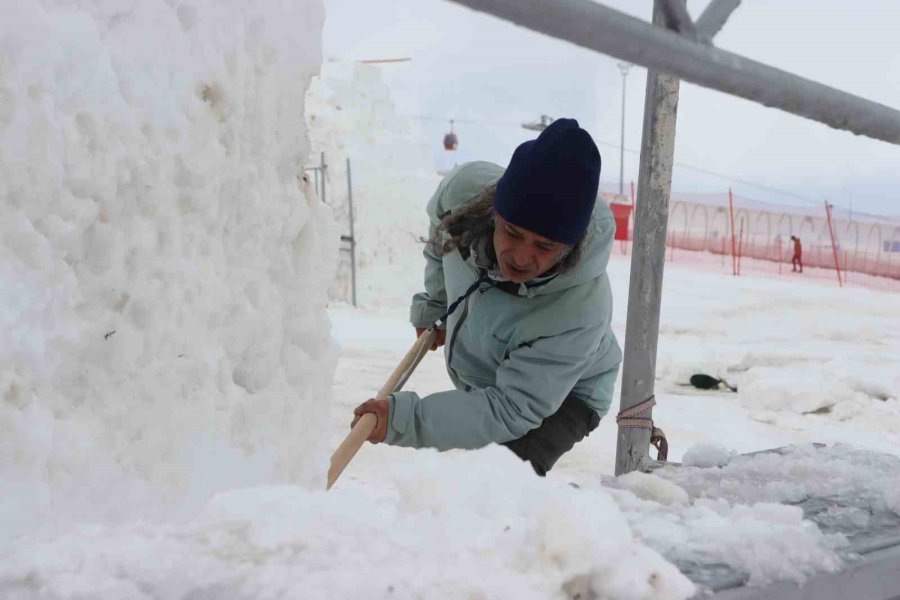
<point>599,28</point>
<point>623,67</point>
<point>648,257</point>
<point>713,18</point>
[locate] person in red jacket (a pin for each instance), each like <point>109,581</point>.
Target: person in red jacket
<point>797,258</point>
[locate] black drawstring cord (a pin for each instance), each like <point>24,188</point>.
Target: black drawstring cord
<point>442,321</point>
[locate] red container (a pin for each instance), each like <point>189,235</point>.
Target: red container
<point>622,214</point>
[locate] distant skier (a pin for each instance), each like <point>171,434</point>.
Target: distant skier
<point>529,347</point>
<point>797,258</point>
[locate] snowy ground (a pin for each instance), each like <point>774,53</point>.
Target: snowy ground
<point>812,364</point>
<point>418,524</point>
<point>166,396</point>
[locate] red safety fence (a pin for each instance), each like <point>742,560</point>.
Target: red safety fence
<point>739,236</point>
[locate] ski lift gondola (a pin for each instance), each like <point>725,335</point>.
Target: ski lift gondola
<point>451,142</point>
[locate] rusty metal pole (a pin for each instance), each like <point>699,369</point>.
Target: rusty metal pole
<point>648,257</point>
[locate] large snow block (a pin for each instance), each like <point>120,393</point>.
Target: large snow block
<point>162,271</point>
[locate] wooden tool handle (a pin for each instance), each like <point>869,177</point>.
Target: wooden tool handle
<point>350,446</point>
<point>366,424</point>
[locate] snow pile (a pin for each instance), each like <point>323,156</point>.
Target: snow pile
<point>480,526</point>
<point>350,115</point>
<point>707,454</point>
<point>743,514</point>
<point>162,273</point>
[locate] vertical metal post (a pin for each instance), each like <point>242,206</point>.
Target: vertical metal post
<point>837,267</point>
<point>733,239</point>
<point>322,168</point>
<point>631,220</point>
<point>316,180</point>
<point>352,236</point>
<point>648,257</point>
<point>623,67</point>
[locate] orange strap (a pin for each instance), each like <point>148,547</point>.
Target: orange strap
<point>634,418</point>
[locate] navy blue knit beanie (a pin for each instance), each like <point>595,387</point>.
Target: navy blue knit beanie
<point>550,185</point>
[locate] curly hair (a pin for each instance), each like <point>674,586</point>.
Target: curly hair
<point>475,219</point>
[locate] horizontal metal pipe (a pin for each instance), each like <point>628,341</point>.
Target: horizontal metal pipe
<point>599,28</point>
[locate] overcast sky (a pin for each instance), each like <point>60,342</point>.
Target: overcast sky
<point>473,67</point>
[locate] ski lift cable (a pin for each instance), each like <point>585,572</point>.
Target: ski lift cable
<point>807,199</point>
<point>462,120</point>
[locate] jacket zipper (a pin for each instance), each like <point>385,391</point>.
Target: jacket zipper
<point>462,319</point>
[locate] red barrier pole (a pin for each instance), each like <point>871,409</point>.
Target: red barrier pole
<point>740,247</point>
<point>733,241</point>
<point>837,267</point>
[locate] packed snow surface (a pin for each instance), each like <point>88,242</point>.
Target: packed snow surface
<point>167,364</point>
<point>482,526</point>
<point>162,272</point>
<point>707,455</point>
<point>740,511</point>
<point>746,514</point>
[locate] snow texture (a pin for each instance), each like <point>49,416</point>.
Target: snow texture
<point>166,365</point>
<point>748,513</point>
<point>162,273</point>
<point>707,455</point>
<point>483,527</point>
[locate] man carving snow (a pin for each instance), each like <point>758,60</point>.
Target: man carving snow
<point>530,349</point>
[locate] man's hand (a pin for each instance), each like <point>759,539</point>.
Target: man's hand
<point>380,409</point>
<point>439,338</point>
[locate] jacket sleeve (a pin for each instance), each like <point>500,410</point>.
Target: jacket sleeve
<point>429,305</point>
<point>531,385</point>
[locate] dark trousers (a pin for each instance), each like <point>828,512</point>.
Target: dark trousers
<point>797,261</point>
<point>559,432</point>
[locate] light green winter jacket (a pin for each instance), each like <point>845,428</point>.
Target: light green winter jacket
<point>512,358</point>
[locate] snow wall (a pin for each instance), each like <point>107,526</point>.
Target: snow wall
<point>163,273</point>
<point>351,115</point>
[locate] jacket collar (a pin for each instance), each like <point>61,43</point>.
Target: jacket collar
<point>481,256</point>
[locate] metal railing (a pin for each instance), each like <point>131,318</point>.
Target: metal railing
<point>320,180</point>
